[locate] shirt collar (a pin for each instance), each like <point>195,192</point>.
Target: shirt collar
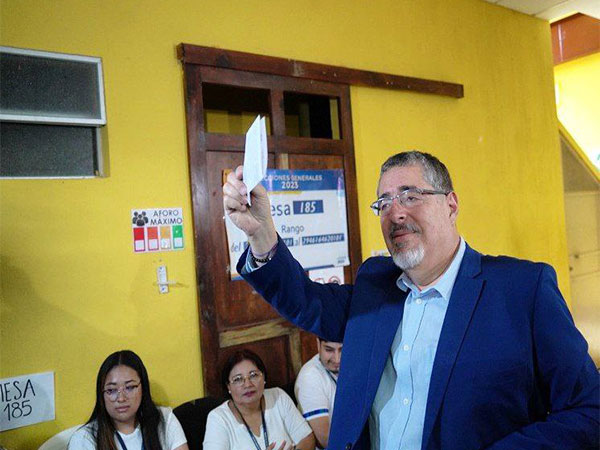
<point>446,282</point>
<point>327,371</point>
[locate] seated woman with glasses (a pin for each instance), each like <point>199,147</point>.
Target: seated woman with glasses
<point>255,417</point>
<point>125,417</point>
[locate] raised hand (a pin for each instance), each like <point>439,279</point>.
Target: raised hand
<point>255,220</point>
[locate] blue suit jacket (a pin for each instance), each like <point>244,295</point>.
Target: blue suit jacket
<point>511,370</point>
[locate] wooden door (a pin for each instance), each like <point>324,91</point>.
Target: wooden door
<point>218,101</point>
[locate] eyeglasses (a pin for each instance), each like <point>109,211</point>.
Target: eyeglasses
<point>409,198</point>
<point>254,376</point>
<point>127,391</point>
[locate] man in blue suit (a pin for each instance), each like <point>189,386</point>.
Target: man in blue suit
<point>444,348</point>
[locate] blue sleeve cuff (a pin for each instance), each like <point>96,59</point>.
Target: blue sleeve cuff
<point>249,266</point>
<point>317,412</point>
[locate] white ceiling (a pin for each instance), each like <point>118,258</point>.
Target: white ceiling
<point>552,10</point>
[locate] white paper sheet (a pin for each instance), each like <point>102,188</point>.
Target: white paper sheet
<point>255,154</point>
<point>26,399</point>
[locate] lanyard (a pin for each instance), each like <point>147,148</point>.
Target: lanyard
<point>122,444</point>
<point>331,376</point>
<point>264,424</point>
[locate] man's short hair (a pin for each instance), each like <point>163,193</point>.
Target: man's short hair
<point>320,339</point>
<point>434,171</point>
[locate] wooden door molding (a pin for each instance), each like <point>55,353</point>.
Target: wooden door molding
<point>231,313</point>
<point>230,59</point>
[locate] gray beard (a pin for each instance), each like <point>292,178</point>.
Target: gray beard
<point>409,259</point>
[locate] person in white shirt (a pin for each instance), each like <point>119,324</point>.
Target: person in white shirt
<point>315,388</point>
<point>125,417</point>
<point>254,417</point>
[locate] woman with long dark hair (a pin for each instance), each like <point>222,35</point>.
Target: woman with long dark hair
<point>125,417</point>
<point>254,417</point>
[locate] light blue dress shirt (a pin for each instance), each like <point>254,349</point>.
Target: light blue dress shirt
<point>398,412</point>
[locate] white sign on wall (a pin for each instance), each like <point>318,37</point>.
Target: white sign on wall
<point>309,212</point>
<point>26,400</point>
<point>157,229</point>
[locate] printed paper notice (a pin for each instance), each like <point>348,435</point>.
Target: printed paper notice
<point>26,400</point>
<point>157,229</point>
<point>309,212</point>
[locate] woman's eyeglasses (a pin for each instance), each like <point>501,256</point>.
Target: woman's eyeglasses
<point>127,391</point>
<point>254,376</point>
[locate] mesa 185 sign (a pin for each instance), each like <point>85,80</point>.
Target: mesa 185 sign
<point>309,212</point>
<point>26,400</point>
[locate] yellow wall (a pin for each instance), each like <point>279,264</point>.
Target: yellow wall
<point>578,102</point>
<point>73,290</point>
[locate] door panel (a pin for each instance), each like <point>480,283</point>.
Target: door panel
<point>235,301</point>
<point>232,315</point>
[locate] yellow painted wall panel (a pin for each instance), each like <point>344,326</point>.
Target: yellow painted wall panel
<point>72,290</point>
<point>577,85</point>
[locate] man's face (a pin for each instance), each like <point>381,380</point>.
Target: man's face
<point>330,354</point>
<point>418,236</point>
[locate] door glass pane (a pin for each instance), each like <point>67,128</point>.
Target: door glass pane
<point>314,116</point>
<point>231,109</point>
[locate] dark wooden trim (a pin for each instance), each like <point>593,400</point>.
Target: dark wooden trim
<point>209,337</point>
<point>355,246</point>
<point>277,112</point>
<point>229,59</point>
<point>204,149</point>
<point>256,332</point>
<point>255,80</point>
<point>277,144</point>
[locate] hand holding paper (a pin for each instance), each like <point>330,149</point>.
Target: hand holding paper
<point>255,221</point>
<point>255,155</point>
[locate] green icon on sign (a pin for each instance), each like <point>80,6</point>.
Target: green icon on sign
<point>177,236</point>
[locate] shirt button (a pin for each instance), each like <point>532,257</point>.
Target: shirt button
<point>406,347</point>
<point>406,401</point>
<point>419,301</point>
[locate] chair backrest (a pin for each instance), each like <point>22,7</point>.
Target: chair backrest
<point>192,416</point>
<point>289,390</point>
<point>59,441</point>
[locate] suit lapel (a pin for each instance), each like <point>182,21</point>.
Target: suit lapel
<point>461,306</point>
<point>387,322</point>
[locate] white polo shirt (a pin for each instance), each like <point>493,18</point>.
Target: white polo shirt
<point>171,434</point>
<point>315,389</point>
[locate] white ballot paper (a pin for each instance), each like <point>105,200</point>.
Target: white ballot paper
<point>255,154</point>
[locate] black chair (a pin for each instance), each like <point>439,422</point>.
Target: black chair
<point>289,390</point>
<point>192,415</point>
